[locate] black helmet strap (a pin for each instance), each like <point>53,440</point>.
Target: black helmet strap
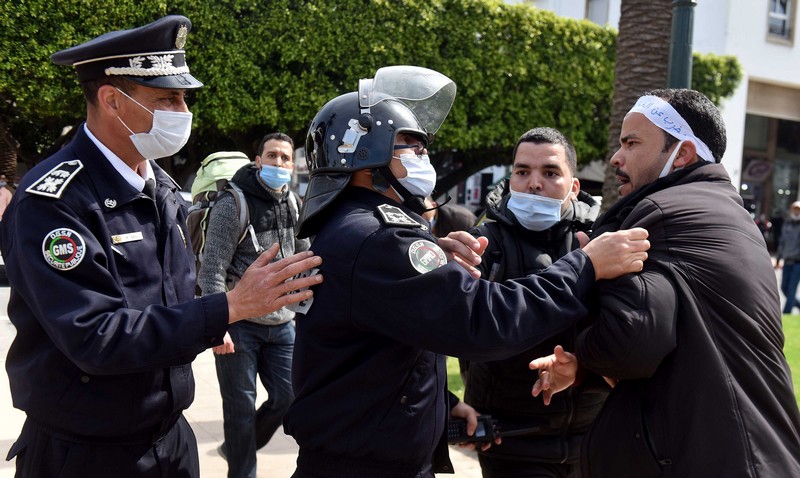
<point>379,181</point>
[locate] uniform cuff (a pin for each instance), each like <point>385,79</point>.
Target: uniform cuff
<point>215,309</point>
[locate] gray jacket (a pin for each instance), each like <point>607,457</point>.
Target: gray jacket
<point>272,215</point>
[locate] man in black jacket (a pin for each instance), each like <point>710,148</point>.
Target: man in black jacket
<point>694,341</point>
<point>532,219</point>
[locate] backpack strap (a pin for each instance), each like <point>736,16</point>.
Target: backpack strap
<point>245,226</point>
<point>294,208</point>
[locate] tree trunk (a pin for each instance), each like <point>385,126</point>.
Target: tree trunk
<point>9,149</point>
<point>645,28</point>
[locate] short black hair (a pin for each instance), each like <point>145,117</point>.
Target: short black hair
<point>700,113</point>
<point>545,135</point>
<point>270,137</point>
<point>91,87</point>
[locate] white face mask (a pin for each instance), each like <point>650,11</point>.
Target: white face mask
<point>169,133</point>
<point>534,212</point>
<point>671,160</point>
<point>420,177</point>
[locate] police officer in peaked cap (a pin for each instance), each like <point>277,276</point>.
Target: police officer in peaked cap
<point>369,362</point>
<point>102,275</point>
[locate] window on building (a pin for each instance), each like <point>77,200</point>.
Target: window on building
<point>780,20</point>
<point>597,11</point>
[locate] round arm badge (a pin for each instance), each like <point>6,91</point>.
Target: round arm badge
<point>426,256</point>
<point>63,249</point>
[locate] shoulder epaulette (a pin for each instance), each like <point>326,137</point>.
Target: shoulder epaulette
<point>394,216</point>
<point>55,181</point>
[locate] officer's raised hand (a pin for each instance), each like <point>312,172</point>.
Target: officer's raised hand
<point>614,254</point>
<point>265,286</point>
<point>466,250</point>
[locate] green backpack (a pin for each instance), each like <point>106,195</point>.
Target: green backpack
<point>213,179</point>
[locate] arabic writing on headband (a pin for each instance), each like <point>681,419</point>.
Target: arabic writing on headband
<point>666,122</point>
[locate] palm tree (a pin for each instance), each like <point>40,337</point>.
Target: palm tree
<point>641,65</point>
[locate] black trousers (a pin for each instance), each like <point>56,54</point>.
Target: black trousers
<point>43,453</point>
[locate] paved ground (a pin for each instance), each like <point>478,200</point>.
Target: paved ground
<point>276,460</point>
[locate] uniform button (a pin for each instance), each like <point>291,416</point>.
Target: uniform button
<point>84,379</point>
<point>403,400</point>
<point>637,435</point>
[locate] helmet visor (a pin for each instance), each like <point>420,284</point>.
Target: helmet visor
<point>427,93</point>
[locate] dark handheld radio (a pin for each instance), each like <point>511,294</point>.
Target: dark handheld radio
<point>487,430</point>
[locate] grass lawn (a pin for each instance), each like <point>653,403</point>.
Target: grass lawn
<point>454,383</point>
<point>791,330</point>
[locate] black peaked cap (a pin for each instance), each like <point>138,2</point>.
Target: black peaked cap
<point>151,55</point>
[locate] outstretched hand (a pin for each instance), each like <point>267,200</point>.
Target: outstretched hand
<point>462,247</point>
<point>556,373</point>
<point>265,285</point>
<point>614,254</point>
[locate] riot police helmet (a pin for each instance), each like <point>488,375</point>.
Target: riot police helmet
<point>357,131</point>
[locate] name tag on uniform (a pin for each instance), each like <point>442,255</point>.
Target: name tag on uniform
<point>129,237</point>
<point>302,306</point>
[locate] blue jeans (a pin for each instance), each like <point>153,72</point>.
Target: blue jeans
<point>265,351</point>
<point>790,278</point>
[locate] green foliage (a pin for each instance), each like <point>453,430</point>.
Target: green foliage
<point>515,66</point>
<point>272,67</point>
<point>715,76</point>
<point>40,98</point>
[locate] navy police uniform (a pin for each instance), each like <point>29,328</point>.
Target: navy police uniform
<point>369,366</point>
<point>102,286</point>
<point>102,298</point>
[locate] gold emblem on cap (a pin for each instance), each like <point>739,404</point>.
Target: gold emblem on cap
<point>180,39</point>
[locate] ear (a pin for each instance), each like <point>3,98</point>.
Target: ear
<point>576,187</point>
<point>258,161</point>
<point>108,99</point>
<point>686,156</point>
<point>362,177</point>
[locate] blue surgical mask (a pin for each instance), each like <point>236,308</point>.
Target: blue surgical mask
<point>275,177</point>
<point>534,212</point>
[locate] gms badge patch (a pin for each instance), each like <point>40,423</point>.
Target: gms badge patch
<point>63,249</point>
<point>426,256</point>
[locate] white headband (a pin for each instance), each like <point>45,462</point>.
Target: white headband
<point>663,115</point>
